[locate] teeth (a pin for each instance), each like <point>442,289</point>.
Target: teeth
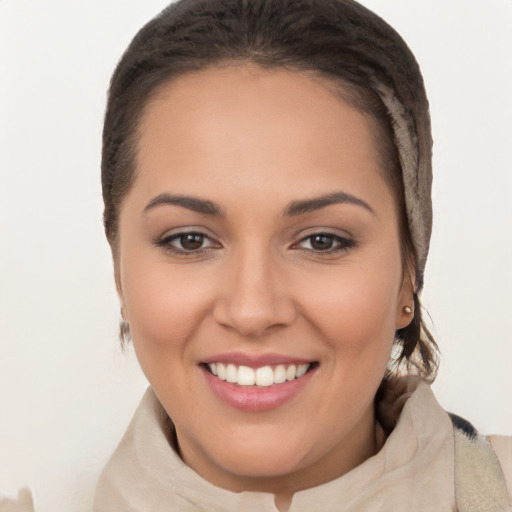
<point>280,374</point>
<point>291,372</point>
<point>246,376</point>
<point>221,371</point>
<point>302,369</point>
<point>263,376</point>
<point>231,373</point>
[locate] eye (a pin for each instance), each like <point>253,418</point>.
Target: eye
<point>324,242</point>
<point>188,242</point>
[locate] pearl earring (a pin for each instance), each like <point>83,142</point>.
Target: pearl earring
<point>408,310</point>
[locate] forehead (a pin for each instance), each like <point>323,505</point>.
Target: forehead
<point>253,127</point>
<point>247,87</point>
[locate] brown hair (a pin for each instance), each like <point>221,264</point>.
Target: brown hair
<point>338,40</point>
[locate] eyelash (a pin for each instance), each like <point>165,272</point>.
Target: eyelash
<point>166,243</point>
<point>342,243</point>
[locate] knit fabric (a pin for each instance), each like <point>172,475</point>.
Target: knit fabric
<point>479,480</point>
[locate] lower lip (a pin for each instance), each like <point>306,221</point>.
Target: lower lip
<point>256,399</point>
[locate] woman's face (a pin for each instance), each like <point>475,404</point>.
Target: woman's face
<point>260,241</point>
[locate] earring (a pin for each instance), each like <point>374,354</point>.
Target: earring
<point>407,310</point>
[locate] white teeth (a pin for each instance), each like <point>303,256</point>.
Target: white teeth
<point>291,372</point>
<point>302,369</point>
<point>221,371</point>
<point>231,373</point>
<point>263,376</point>
<point>280,374</point>
<point>246,376</point>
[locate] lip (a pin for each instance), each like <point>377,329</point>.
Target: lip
<point>254,398</point>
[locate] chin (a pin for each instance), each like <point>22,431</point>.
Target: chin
<point>260,466</point>
<point>269,454</point>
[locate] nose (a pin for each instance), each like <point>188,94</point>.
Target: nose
<point>254,297</point>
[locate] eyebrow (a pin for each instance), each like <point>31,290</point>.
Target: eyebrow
<point>316,203</point>
<point>191,203</point>
<point>293,209</point>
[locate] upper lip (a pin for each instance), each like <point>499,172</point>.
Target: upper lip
<point>255,360</point>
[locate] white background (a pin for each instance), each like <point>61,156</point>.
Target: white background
<point>67,392</point>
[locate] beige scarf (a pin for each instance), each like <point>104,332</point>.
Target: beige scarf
<point>426,464</point>
<point>414,470</point>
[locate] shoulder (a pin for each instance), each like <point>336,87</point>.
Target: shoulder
<point>502,446</point>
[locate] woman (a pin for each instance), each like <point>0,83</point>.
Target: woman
<point>266,177</point>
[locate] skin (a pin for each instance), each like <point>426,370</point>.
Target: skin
<point>253,141</point>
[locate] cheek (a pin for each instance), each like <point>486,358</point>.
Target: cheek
<point>355,307</point>
<point>163,302</point>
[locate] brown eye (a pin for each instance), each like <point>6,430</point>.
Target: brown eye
<point>191,241</point>
<point>321,242</point>
<point>325,242</point>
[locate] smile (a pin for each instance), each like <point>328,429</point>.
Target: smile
<point>257,384</point>
<point>263,376</point>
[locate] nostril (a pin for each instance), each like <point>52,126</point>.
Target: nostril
<point>251,316</point>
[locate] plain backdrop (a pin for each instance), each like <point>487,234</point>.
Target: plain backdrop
<point>67,392</point>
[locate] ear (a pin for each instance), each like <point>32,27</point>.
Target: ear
<point>405,304</point>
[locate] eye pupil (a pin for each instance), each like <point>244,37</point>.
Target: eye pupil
<point>191,241</point>
<point>322,242</point>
